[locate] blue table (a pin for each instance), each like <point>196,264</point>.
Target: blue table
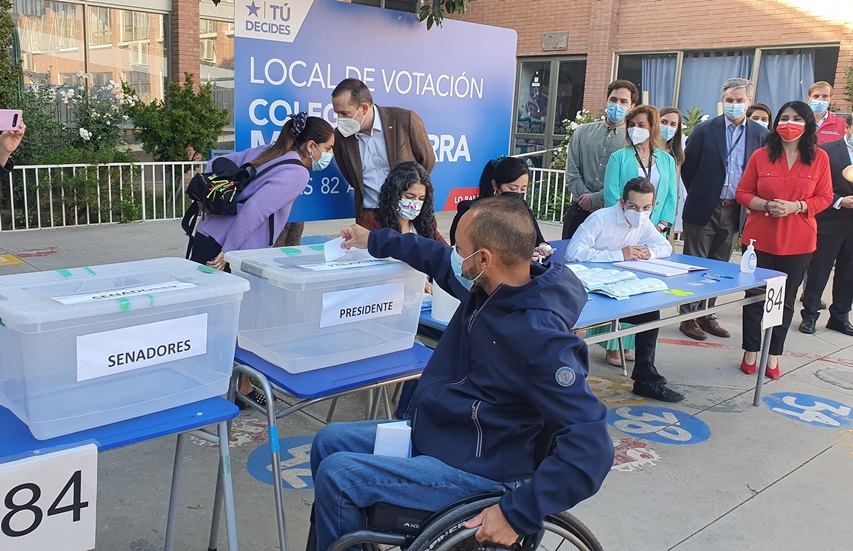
<point>315,386</point>
<point>17,442</point>
<point>602,310</point>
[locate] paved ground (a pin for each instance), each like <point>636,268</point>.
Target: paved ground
<point>712,472</point>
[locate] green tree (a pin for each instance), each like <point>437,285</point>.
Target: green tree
<point>184,127</point>
<point>10,70</point>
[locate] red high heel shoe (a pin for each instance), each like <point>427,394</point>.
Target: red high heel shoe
<point>774,373</point>
<point>749,369</point>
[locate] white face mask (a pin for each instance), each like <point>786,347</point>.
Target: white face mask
<point>636,218</point>
<point>348,127</point>
<point>638,135</point>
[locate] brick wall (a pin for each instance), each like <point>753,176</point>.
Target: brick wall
<point>600,28</point>
<point>185,45</point>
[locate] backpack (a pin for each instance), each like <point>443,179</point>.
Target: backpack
<point>216,192</point>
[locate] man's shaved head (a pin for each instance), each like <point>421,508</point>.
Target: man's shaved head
<point>503,226</point>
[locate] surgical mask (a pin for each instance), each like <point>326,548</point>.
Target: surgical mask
<point>819,106</point>
<point>849,140</point>
<point>638,135</point>
<point>667,132</point>
<point>456,262</point>
<point>348,127</point>
<point>410,208</point>
<point>615,112</point>
<point>790,130</point>
<point>763,123</point>
<point>734,111</point>
<point>635,218</point>
<point>512,195</point>
<point>325,159</point>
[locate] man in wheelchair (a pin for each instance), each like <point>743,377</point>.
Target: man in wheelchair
<point>502,406</point>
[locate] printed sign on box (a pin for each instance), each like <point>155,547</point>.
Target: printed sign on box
<point>351,305</point>
<point>286,62</point>
<point>120,350</point>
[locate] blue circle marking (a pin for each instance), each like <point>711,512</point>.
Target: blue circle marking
<point>657,424</point>
<point>814,410</point>
<point>295,463</point>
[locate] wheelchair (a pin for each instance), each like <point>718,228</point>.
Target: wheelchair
<point>389,526</point>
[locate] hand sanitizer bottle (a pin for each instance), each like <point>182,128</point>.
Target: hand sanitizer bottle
<point>748,261</point>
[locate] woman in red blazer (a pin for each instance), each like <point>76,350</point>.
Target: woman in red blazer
<point>785,184</point>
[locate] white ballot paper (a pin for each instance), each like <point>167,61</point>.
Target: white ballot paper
<point>393,439</point>
<point>332,249</point>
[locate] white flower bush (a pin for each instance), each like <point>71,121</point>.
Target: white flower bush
<point>85,135</point>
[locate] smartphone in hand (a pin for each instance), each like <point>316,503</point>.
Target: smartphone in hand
<point>11,119</point>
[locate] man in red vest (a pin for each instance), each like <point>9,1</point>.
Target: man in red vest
<point>830,127</point>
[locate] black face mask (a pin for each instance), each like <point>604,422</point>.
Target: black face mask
<point>513,195</point>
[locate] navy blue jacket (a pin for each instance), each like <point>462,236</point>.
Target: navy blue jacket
<point>505,395</point>
<point>704,168</point>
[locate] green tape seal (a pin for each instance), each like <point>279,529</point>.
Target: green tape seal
<point>90,270</point>
<point>679,293</point>
<point>316,247</point>
<point>226,465</point>
<point>124,304</point>
<point>291,251</point>
<point>1,323</point>
<point>3,298</point>
<point>150,301</point>
<point>64,273</point>
<point>207,269</point>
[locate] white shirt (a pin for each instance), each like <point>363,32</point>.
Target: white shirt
<point>606,232</point>
<point>823,118</point>
<point>374,161</point>
<point>654,176</point>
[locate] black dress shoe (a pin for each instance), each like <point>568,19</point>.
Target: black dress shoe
<point>651,377</point>
<point>807,327</point>
<point>842,327</point>
<point>657,392</point>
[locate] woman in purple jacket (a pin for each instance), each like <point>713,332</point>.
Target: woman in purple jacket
<point>268,199</point>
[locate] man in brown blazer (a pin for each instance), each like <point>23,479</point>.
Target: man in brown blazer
<point>371,140</point>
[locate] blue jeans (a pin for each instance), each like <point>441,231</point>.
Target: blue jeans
<point>349,478</point>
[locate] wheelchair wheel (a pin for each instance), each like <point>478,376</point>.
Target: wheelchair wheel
<point>561,532</point>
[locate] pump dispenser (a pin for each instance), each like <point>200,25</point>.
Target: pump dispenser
<point>748,261</point>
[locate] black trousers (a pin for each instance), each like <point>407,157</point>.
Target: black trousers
<point>795,267</point>
<point>714,240</point>
<point>645,346</point>
<point>575,215</point>
<point>831,249</point>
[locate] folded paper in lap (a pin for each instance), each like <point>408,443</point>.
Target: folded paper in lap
<point>393,439</point>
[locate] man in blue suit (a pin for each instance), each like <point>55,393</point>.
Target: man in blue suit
<point>716,155</point>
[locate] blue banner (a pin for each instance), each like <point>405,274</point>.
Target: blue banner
<point>460,78</point>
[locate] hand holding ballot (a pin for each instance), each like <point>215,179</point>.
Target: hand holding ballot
<point>354,236</point>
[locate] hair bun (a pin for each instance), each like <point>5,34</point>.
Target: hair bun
<point>299,121</point>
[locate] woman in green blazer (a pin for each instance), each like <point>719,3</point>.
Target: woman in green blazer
<point>645,156</point>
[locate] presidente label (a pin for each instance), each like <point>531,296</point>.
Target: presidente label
<point>352,305</point>
<point>121,350</point>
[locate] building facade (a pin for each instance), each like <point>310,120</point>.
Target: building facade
<point>678,52</point>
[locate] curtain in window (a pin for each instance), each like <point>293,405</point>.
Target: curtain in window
<point>784,75</point>
<point>703,75</point>
<point>658,79</point>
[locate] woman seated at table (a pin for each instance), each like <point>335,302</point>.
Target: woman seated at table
<point>785,184</point>
<point>406,203</point>
<point>624,232</point>
<point>504,177</point>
